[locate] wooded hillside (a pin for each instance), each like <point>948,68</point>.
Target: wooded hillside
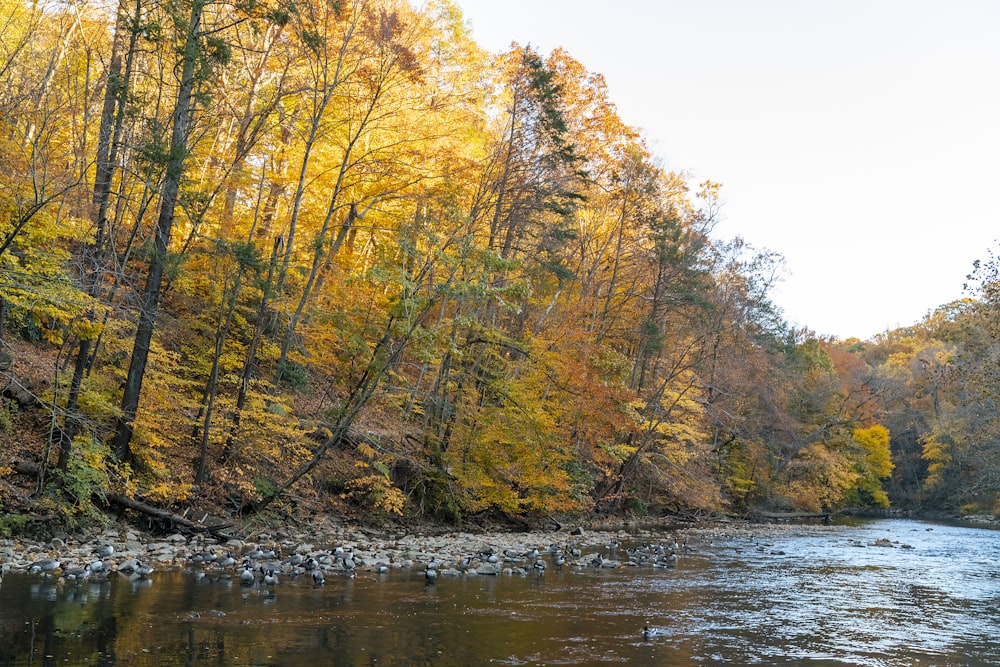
<point>255,254</point>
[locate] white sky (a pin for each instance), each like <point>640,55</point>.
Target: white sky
<point>858,138</point>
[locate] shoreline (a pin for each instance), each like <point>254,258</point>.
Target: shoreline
<point>398,548</point>
<point>371,548</point>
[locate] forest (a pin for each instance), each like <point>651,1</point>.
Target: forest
<point>271,257</point>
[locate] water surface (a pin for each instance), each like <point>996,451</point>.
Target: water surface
<point>814,595</point>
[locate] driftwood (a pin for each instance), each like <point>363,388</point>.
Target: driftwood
<point>180,522</point>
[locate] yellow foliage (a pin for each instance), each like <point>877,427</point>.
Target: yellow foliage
<point>375,488</point>
<point>937,451</point>
<point>378,491</point>
<point>511,460</point>
<point>169,492</point>
<point>87,329</point>
<point>619,452</point>
<point>875,439</point>
<point>820,478</point>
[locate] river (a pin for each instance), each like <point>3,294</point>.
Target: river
<point>806,595</point>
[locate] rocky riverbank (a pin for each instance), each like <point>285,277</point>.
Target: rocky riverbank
<point>351,549</point>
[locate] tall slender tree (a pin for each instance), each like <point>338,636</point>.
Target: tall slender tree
<point>191,57</point>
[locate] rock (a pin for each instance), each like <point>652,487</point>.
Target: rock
<point>487,569</point>
<point>578,531</point>
<point>176,538</point>
<point>57,544</point>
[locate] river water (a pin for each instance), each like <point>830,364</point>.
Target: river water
<point>808,595</point>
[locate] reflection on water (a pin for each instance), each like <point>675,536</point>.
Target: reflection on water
<point>816,596</point>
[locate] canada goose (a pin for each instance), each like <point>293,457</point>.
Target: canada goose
<point>270,578</point>
<point>205,557</point>
<point>45,566</point>
<point>318,578</point>
<point>101,566</point>
<point>226,560</point>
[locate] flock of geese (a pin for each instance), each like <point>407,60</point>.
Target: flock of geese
<point>259,567</point>
<point>102,564</point>
<point>267,567</point>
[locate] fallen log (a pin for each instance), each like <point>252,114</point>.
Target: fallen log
<point>181,522</point>
<point>165,515</point>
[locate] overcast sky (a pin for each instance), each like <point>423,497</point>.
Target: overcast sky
<point>858,138</point>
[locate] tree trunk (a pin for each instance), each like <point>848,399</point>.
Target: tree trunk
<point>164,224</point>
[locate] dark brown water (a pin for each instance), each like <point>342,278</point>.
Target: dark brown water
<point>812,596</point>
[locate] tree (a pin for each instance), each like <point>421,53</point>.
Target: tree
<point>874,465</point>
<point>194,58</point>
